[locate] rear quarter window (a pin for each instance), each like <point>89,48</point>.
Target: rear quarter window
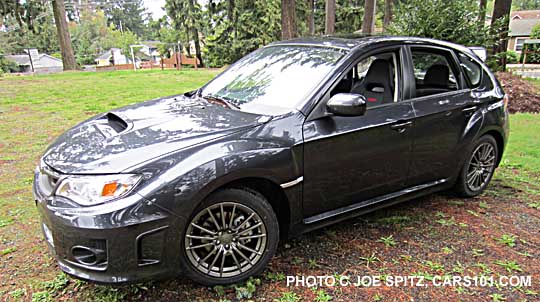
<point>473,70</point>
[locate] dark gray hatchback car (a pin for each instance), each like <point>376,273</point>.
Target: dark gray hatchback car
<point>295,136</point>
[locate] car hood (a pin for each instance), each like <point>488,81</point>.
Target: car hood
<point>117,140</point>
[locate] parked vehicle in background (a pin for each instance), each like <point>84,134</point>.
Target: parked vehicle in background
<point>295,136</point>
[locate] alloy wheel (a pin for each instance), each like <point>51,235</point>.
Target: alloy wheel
<point>225,239</point>
<point>481,166</point>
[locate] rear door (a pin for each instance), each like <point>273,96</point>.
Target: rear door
<point>443,104</point>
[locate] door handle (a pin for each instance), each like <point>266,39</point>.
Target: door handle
<point>444,102</point>
<point>470,110</point>
<point>401,126</point>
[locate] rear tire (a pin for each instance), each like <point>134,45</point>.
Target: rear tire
<point>231,236</point>
<point>478,168</point>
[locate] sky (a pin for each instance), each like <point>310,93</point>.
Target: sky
<point>155,7</point>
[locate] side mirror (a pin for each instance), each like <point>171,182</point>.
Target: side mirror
<point>347,104</point>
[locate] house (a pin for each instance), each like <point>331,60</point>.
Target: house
<point>525,14</point>
<point>150,49</point>
<point>112,56</point>
<point>39,63</point>
<point>147,50</point>
<point>521,25</point>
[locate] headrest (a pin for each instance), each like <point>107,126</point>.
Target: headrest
<point>437,75</point>
<point>378,73</point>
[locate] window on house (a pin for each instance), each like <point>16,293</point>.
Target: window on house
<point>519,44</point>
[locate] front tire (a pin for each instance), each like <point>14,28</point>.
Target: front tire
<point>478,168</point>
<point>231,236</point>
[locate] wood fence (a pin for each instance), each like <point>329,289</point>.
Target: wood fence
<point>168,63</point>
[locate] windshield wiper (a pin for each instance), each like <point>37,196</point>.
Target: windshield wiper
<point>220,100</point>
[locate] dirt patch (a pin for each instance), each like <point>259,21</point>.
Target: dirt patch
<point>523,96</point>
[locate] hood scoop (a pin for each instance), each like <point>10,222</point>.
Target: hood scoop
<point>111,124</point>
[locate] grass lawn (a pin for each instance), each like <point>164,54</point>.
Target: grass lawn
<point>493,234</point>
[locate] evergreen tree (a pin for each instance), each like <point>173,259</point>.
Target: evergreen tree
<point>126,15</point>
<point>239,27</point>
<point>187,15</point>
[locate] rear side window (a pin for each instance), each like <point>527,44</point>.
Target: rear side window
<point>473,70</point>
<point>433,72</point>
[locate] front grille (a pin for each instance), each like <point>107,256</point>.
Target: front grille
<point>47,179</point>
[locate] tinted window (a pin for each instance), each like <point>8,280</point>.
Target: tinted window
<point>274,80</point>
<point>432,72</point>
<point>472,70</point>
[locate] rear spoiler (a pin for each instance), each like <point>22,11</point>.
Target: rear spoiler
<point>481,52</point>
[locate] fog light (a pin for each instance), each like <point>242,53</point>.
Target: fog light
<point>87,256</point>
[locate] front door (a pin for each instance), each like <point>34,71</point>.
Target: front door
<point>349,160</point>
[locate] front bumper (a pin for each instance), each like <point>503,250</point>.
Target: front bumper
<point>138,242</point>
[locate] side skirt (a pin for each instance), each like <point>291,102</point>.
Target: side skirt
<point>366,206</point>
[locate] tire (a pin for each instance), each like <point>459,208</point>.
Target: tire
<point>469,185</point>
<point>226,250</point>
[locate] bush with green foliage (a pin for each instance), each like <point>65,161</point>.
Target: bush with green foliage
<point>512,57</point>
<point>7,66</point>
<point>456,21</point>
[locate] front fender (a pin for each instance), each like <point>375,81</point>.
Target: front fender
<point>184,185</point>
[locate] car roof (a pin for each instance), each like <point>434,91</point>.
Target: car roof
<point>354,41</point>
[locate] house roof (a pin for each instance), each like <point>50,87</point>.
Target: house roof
<point>153,44</point>
<point>522,27</point>
<point>525,14</point>
<point>24,60</point>
<point>106,54</point>
<point>21,60</point>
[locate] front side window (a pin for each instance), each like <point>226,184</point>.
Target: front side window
<point>472,70</point>
<point>374,77</point>
<point>273,80</point>
<point>433,73</point>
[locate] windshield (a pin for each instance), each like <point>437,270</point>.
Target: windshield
<point>273,80</point>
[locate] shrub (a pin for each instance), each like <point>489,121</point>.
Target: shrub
<point>456,21</point>
<point>7,65</point>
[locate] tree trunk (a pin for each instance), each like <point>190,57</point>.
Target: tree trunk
<point>368,24</point>
<point>388,12</point>
<point>188,48</point>
<point>330,24</point>
<point>232,18</point>
<point>64,39</point>
<point>288,19</point>
<point>310,17</point>
<point>482,12</point>
<point>501,10</point>
<point>198,55</point>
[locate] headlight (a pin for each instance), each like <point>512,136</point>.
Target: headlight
<point>97,189</point>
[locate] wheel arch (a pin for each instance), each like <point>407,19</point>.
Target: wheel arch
<point>268,188</point>
<point>499,138</point>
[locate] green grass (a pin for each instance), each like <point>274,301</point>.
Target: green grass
<point>80,92</point>
<point>523,150</point>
